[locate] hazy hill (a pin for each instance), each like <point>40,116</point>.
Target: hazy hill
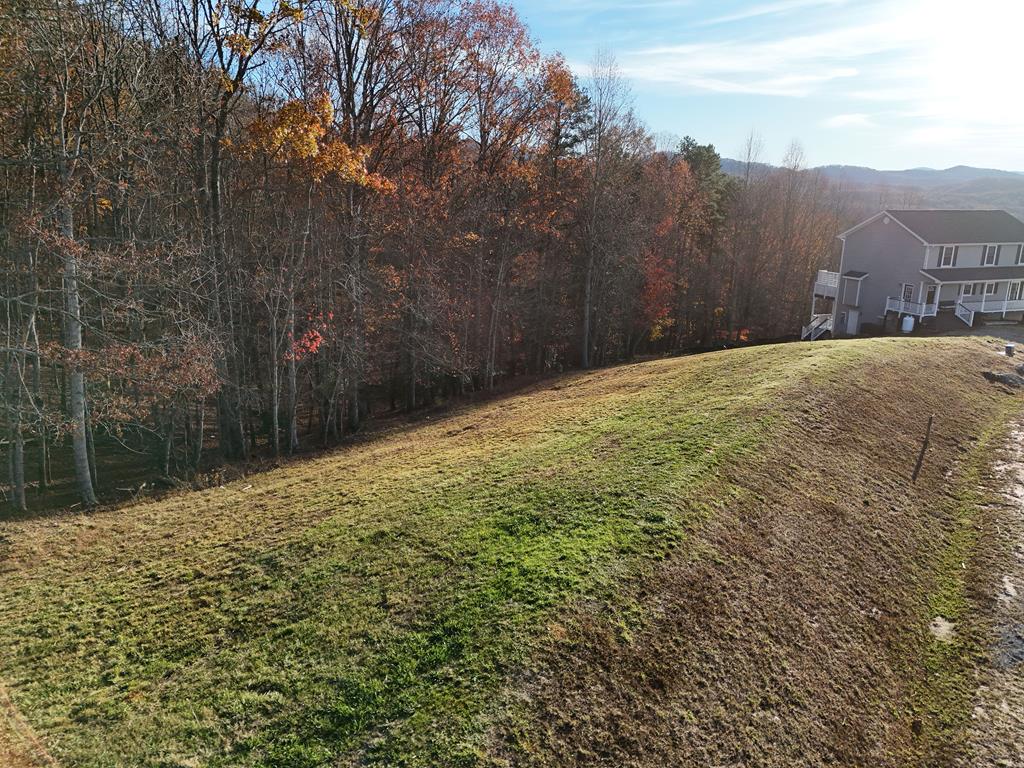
<point>924,178</point>
<point>679,562</point>
<point>957,187</point>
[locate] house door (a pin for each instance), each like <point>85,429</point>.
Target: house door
<point>852,318</point>
<point>930,293</point>
<point>907,292</point>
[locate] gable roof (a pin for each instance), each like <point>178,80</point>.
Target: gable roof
<point>880,214</point>
<point>938,227</point>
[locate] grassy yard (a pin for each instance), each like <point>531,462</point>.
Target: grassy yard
<point>378,605</point>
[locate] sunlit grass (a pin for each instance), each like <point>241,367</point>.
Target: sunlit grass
<point>367,606</point>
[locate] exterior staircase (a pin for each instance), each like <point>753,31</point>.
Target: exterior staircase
<point>819,325</point>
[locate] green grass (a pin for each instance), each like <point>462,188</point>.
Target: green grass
<point>945,693</point>
<point>369,606</point>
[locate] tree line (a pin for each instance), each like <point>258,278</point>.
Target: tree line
<point>230,228</point>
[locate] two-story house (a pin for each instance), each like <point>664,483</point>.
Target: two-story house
<point>925,264</point>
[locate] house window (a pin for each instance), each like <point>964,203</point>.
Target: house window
<point>1012,252</point>
<point>947,257</point>
<point>990,255</point>
<point>907,292</point>
<point>1020,255</point>
<point>990,289</point>
<point>1016,291</point>
<point>970,289</point>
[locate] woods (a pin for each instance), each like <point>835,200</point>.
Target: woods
<point>236,229</point>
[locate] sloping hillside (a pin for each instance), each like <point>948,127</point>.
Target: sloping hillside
<point>719,559</point>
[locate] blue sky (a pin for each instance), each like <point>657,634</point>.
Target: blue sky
<point>884,83</point>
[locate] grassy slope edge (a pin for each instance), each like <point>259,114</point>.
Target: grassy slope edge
<point>382,604</point>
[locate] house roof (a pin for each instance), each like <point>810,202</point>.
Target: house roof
<point>974,274</point>
<point>941,227</point>
<point>854,274</point>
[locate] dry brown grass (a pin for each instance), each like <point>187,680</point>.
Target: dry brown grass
<point>795,633</point>
<point>711,560</point>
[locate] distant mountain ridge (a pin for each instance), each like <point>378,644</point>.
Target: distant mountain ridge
<point>915,177</point>
<point>961,186</point>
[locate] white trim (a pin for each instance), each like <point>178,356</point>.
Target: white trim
<point>843,294</point>
<point>851,230</point>
<point>859,281</point>
<point>971,285</point>
<point>1010,250</point>
<point>890,214</point>
<point>835,302</point>
<point>971,245</point>
<point>842,236</point>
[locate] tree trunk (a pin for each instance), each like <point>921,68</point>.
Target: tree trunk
<point>231,432</point>
<point>293,384</point>
<point>200,430</point>
<point>358,280</point>
<point>492,329</point>
<point>37,394</point>
<point>16,459</point>
<point>587,291</point>
<point>76,379</point>
<point>168,445</point>
<point>275,388</point>
<point>90,441</point>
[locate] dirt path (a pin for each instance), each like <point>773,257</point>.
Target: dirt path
<point>997,732</point>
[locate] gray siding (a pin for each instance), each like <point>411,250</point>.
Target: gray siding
<point>971,255</point>
<point>890,255</point>
<point>949,293</point>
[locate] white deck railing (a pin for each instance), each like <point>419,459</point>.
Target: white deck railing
<point>988,304</point>
<point>920,309</point>
<point>826,283</point>
<point>965,314</point>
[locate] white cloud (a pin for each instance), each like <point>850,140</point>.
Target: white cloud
<point>782,84</point>
<point>789,65</point>
<point>933,73</point>
<point>852,119</point>
<point>770,9</point>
